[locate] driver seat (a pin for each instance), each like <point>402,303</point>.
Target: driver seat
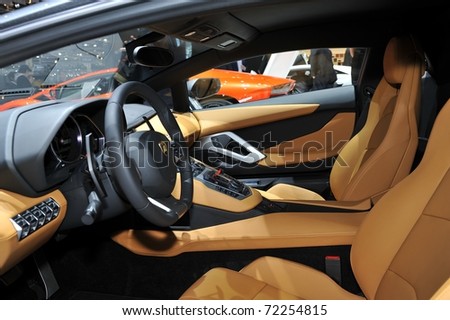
<point>382,152</point>
<point>401,250</point>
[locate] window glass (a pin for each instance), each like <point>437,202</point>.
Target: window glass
<point>89,69</point>
<point>293,72</point>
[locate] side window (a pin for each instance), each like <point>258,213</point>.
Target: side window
<point>276,74</point>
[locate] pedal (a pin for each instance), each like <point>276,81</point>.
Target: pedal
<point>46,274</point>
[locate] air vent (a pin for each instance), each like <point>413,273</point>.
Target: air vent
<point>67,143</point>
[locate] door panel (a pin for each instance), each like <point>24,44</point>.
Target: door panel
<point>300,135</point>
<point>318,145</point>
<point>238,117</point>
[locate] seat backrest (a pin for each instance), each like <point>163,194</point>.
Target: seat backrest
<point>402,250</point>
<point>382,152</point>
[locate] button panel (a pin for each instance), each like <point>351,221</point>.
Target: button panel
<point>36,217</point>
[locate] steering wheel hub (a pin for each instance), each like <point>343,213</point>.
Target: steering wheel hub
<point>153,156</point>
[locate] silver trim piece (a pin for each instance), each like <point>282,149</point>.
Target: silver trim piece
<point>158,204</point>
<point>18,228</point>
<point>254,155</point>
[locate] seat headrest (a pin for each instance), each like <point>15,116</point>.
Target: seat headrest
<point>400,53</point>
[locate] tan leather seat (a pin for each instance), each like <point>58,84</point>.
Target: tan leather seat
<point>401,250</point>
<point>382,153</point>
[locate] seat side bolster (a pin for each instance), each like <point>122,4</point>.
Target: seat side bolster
<point>297,279</point>
<point>289,192</point>
<point>225,284</point>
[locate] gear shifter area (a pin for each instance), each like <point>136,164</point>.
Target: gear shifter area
<point>219,181</point>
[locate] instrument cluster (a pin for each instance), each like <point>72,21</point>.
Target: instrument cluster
<point>69,145</point>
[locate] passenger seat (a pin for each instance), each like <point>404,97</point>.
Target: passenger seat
<point>381,154</point>
<point>401,250</point>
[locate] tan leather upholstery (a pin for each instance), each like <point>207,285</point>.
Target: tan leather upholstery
<point>276,230</point>
<point>443,293</point>
<point>216,120</point>
<point>401,250</point>
<point>283,191</point>
<point>382,153</point>
<point>267,278</point>
<point>319,145</point>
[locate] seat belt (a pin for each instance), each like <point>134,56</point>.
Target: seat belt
<point>333,268</point>
<point>368,94</point>
<point>427,114</point>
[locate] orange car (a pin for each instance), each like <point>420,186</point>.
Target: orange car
<point>238,87</point>
<point>235,87</point>
<point>94,84</point>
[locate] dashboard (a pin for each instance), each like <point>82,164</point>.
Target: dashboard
<point>51,172</point>
<point>49,147</point>
<point>50,165</point>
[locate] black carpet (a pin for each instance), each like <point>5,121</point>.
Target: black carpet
<point>89,265</point>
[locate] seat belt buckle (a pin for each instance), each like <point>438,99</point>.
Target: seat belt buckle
<point>333,268</point>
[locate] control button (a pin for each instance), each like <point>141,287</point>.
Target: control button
<point>48,214</point>
<point>52,204</point>
<point>54,208</point>
<point>39,214</point>
<point>55,214</point>
<point>22,226</point>
<point>31,219</point>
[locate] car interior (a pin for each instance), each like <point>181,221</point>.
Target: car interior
<point>141,193</point>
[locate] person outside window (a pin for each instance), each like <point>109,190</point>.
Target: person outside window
<point>322,71</point>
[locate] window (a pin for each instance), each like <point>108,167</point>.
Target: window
<point>293,72</point>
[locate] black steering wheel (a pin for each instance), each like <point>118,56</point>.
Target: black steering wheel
<point>144,165</point>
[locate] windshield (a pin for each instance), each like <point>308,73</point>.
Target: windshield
<point>83,70</point>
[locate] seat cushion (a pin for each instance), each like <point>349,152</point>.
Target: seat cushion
<point>283,191</point>
<point>226,284</point>
<point>263,279</point>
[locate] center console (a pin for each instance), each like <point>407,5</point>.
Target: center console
<point>220,201</point>
<point>219,198</point>
<point>220,182</point>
